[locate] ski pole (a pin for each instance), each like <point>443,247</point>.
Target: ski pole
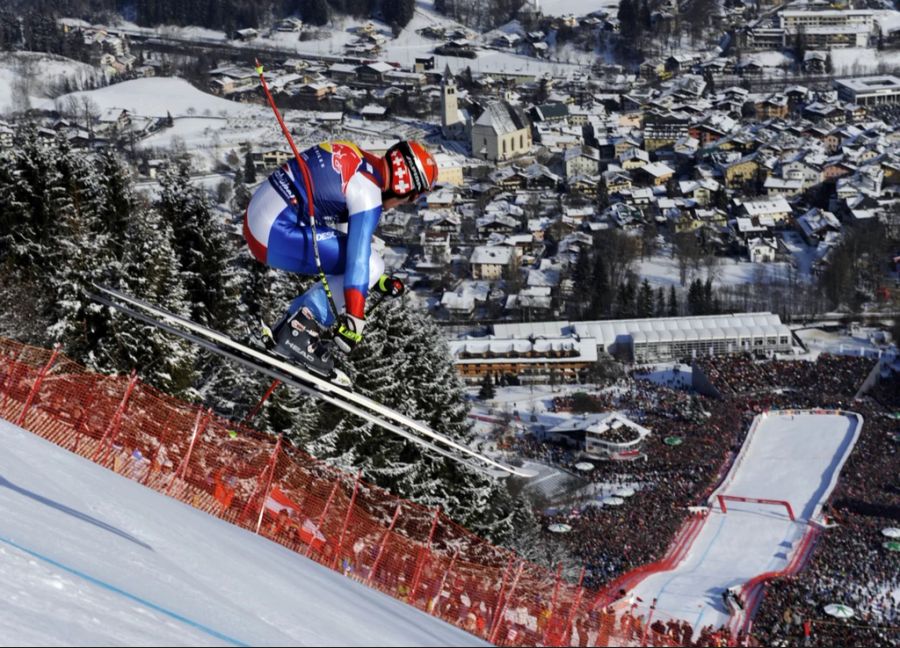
<point>307,181</point>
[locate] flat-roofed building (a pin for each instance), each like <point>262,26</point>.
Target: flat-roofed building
<point>796,19</point>
<point>869,91</point>
<point>669,338</point>
<point>538,359</point>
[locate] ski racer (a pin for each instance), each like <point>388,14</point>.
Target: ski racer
<point>316,215</point>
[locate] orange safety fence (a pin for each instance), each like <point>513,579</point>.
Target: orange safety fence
<point>255,481</point>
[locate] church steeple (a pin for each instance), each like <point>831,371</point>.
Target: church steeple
<point>450,122</point>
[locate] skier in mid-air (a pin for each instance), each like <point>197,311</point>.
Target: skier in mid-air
<point>316,215</point>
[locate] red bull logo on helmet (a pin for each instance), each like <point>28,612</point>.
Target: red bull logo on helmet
<point>344,161</point>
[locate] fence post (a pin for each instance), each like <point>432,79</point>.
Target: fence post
<point>113,428</point>
<point>440,591</point>
<point>420,562</point>
<point>271,469</point>
<point>647,624</point>
<point>255,410</point>
<point>79,424</point>
<point>500,595</point>
<point>340,545</point>
<point>512,589</point>
<point>553,600</point>
<point>322,515</point>
<point>181,471</point>
<point>8,378</point>
<point>567,629</point>
<point>382,545</point>
<point>36,386</point>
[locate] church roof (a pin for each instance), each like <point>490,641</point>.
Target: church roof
<point>502,118</point>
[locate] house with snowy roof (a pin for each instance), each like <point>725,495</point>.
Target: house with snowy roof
<point>777,209</point>
<point>491,262</point>
<point>815,224</point>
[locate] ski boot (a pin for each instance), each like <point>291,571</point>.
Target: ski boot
<point>298,338</point>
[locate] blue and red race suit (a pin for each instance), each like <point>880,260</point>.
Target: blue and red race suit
<point>340,187</point>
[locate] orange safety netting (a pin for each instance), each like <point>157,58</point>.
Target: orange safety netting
<point>255,481</point>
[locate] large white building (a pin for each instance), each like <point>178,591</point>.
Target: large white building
<point>669,338</point>
<point>800,19</point>
<point>869,91</point>
<point>815,27</point>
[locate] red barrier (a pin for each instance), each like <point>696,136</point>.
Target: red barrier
<point>250,479</point>
<point>753,590</point>
<point>757,500</point>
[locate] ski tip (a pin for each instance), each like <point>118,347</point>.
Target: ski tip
<point>341,379</point>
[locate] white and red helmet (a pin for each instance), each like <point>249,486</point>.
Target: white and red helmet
<point>413,170</point>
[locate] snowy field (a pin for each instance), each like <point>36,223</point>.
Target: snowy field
<point>40,75</point>
<point>404,49</point>
<point>663,271</point>
<point>157,96</point>
<point>789,457</point>
<point>90,558</point>
<point>860,341</point>
<point>206,125</point>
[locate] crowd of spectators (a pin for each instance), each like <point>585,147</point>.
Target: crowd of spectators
<point>848,565</point>
<point>851,564</point>
<point>739,375</point>
<point>611,540</point>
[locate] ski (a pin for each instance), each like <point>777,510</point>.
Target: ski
<point>312,384</point>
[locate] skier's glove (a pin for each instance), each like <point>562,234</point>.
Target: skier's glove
<point>390,286</point>
<point>349,332</point>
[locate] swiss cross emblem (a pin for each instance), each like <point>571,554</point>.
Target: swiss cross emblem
<point>400,173</point>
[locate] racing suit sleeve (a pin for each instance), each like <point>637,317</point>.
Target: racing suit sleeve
<point>364,206</point>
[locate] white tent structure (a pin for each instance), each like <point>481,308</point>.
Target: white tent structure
<point>670,338</point>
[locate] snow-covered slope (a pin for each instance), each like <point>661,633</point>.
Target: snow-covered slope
<point>90,558</point>
<point>793,457</point>
<point>157,96</point>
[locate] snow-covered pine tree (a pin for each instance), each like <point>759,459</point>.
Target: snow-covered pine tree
<point>19,281</point>
<point>208,249</point>
<point>149,269</point>
<point>118,205</point>
<point>78,252</point>
<point>404,363</point>
<point>204,248</point>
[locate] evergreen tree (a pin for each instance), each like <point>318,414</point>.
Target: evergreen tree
<point>249,168</point>
<point>626,299</point>
<point>695,298</point>
<point>204,251</point>
<point>645,300</point>
<point>315,12</point>
<point>118,202</point>
<point>600,295</point>
<point>404,362</point>
<point>629,20</point>
<point>149,268</point>
<point>77,251</point>
<point>672,307</point>
<point>487,387</point>
<point>398,12</point>
<point>660,307</point>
